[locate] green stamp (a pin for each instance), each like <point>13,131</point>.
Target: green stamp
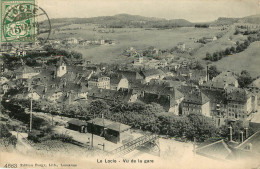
<point>18,21</point>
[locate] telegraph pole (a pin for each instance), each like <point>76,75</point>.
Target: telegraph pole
<point>31,115</point>
<point>92,136</point>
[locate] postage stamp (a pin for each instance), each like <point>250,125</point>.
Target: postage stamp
<point>18,21</point>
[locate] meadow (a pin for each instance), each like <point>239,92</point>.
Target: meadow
<point>141,38</point>
<point>247,60</point>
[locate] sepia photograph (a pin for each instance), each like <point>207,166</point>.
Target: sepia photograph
<point>123,84</point>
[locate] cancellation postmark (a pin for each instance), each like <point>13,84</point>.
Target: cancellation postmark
<point>24,21</point>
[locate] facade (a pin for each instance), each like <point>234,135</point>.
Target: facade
<point>226,79</point>
<point>77,125</point>
<point>195,102</point>
<point>110,130</point>
<point>122,95</point>
<point>168,97</point>
<point>239,104</point>
<point>61,69</point>
<point>254,88</point>
<point>152,74</point>
<point>138,59</point>
<point>102,82</point>
<point>118,81</point>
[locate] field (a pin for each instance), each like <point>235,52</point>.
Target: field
<point>132,37</point>
<point>248,60</point>
<point>141,38</point>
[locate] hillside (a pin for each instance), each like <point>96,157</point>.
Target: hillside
<point>254,19</point>
<point>126,20</point>
<point>247,60</point>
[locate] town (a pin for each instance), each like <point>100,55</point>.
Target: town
<point>132,89</point>
<point>173,97</point>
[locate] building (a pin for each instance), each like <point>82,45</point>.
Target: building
<point>118,81</point>
<point>99,81</point>
<point>122,95</point>
<point>112,131</point>
<point>249,149</point>
<point>61,69</point>
<point>239,103</point>
<point>77,125</point>
<point>152,74</point>
<point>226,79</point>
<point>71,41</point>
<point>194,102</point>
<point>138,59</point>
<point>131,76</point>
<point>254,87</point>
<point>25,72</point>
<point>218,105</point>
<point>198,76</point>
<point>218,150</point>
<point>181,46</point>
<point>168,97</point>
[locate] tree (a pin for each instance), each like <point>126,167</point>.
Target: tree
<point>227,51</point>
<point>244,79</point>
<point>232,49</point>
<point>213,72</point>
<point>202,127</point>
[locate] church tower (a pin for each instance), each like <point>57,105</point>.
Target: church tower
<point>62,68</point>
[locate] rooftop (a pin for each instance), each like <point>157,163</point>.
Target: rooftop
<point>217,150</point>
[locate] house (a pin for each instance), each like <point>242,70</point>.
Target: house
<point>194,101</point>
<point>218,105</point>
<point>25,72</point>
<point>181,46</point>
<point>71,41</point>
<point>33,95</point>
<point>41,60</point>
<point>122,95</point>
<point>99,81</point>
<point>152,74</point>
<point>174,66</point>
<point>20,53</point>
<point>5,87</point>
<point>118,81</point>
<point>226,79</point>
<point>3,80</point>
<point>168,97</point>
<point>254,87</point>
<point>138,58</point>
<point>131,76</point>
<point>199,77</point>
<point>239,103</point>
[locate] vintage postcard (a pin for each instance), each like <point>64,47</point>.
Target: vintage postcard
<point>102,84</point>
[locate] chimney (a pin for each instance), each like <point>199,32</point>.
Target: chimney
<point>230,133</point>
<point>45,89</point>
<point>246,133</point>
<point>241,136</point>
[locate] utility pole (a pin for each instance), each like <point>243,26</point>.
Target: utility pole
<point>92,136</point>
<point>31,116</point>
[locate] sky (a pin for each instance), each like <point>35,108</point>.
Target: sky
<point>192,10</point>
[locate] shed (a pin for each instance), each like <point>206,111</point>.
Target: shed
<point>77,125</point>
